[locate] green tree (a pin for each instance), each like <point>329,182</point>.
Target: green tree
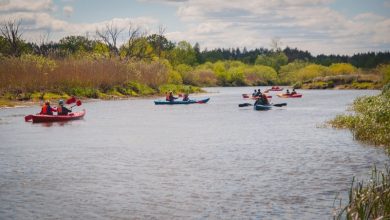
<point>75,44</point>
<point>160,44</point>
<point>274,60</point>
<point>183,53</point>
<point>342,68</point>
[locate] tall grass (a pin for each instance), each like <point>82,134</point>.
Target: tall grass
<point>370,200</point>
<point>370,121</point>
<point>29,74</point>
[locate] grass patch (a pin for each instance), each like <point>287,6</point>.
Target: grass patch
<point>179,89</point>
<point>371,119</point>
<point>6,103</point>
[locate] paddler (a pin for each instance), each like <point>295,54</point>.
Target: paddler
<point>61,109</point>
<point>185,97</point>
<point>47,109</point>
<point>171,98</point>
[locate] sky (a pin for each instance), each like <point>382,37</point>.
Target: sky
<point>342,27</point>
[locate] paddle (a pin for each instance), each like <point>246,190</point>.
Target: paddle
<point>71,100</point>
<point>78,103</point>
<point>249,104</point>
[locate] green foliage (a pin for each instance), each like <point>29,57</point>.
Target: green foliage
<point>183,53</point>
<point>274,60</point>
<point>174,77</point>
<point>163,89</point>
<point>342,69</point>
<point>363,85</point>
<point>385,72</point>
<point>138,48</point>
<point>83,92</point>
<point>288,72</point>
<point>260,75</point>
<point>76,44</point>
<point>310,72</point>
<point>371,121</point>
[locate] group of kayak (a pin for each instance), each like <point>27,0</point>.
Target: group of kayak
<point>262,102</point>
<point>65,114</point>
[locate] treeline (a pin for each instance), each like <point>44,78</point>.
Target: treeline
<point>146,47</point>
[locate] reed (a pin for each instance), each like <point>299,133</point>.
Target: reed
<point>367,200</point>
<point>370,121</point>
<point>21,78</point>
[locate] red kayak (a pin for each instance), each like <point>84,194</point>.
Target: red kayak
<point>289,95</point>
<point>246,96</point>
<point>53,118</point>
<point>277,88</point>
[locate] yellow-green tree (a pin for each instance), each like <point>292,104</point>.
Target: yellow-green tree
<point>342,69</point>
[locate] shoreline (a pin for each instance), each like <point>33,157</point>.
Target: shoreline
<point>7,104</point>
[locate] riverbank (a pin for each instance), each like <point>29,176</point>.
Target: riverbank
<point>125,91</point>
<point>370,120</point>
<point>369,123</point>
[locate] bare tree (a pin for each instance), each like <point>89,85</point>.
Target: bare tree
<point>109,35</point>
<point>276,44</point>
<point>10,30</point>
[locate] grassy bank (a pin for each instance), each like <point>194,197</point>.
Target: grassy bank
<point>39,78</point>
<point>370,121</point>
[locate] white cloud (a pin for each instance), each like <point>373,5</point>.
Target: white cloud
<point>26,5</point>
<point>307,24</point>
<point>68,11</point>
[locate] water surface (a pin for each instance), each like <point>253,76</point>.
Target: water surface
<point>131,159</point>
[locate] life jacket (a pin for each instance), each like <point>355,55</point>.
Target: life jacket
<point>167,97</point>
<point>46,110</point>
<point>59,110</point>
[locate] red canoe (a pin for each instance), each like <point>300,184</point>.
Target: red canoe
<point>246,96</point>
<point>289,95</point>
<point>53,118</point>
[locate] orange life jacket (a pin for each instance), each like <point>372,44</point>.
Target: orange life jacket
<point>59,109</point>
<point>44,110</point>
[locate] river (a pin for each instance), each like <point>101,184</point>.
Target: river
<point>131,159</point>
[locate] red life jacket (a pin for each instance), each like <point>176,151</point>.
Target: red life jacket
<point>44,110</point>
<point>59,110</point>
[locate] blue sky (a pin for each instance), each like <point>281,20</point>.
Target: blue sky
<point>319,26</point>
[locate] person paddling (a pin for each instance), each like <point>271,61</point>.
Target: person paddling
<point>185,97</point>
<point>254,93</point>
<point>61,109</point>
<point>171,98</point>
<point>288,92</point>
<point>262,100</point>
<point>47,109</point>
<point>258,93</point>
<point>293,92</point>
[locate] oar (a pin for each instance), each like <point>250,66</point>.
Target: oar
<point>249,104</point>
<point>280,104</point>
<point>244,104</point>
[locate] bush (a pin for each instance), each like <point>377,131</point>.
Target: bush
<point>371,121</point>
